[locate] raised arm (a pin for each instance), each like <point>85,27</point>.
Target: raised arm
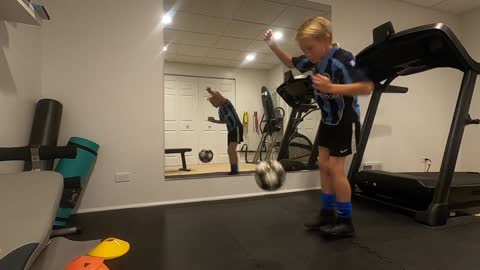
<point>284,56</point>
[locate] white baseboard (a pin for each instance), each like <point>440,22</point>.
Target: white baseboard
<point>204,199</point>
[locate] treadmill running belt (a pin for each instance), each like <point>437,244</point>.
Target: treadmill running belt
<point>415,190</point>
<point>429,179</point>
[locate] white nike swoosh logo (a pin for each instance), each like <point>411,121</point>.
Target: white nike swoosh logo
<point>343,151</point>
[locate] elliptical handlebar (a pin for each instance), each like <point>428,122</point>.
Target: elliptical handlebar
<point>296,92</point>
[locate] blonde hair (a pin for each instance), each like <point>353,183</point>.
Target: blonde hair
<point>215,97</point>
<point>314,27</point>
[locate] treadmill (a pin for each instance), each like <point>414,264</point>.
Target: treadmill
<point>430,197</point>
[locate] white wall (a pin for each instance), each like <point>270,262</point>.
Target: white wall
<point>469,158</point>
<point>102,60</point>
<point>108,72</point>
<point>20,85</point>
<point>248,83</point>
<point>275,79</point>
<point>410,126</point>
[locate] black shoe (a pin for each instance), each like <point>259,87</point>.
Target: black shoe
<point>343,228</point>
<point>321,220</point>
<point>233,173</point>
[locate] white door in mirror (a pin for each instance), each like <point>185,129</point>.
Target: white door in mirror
<point>186,118</point>
<point>181,106</point>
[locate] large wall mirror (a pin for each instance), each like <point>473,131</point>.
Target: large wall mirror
<point>218,45</point>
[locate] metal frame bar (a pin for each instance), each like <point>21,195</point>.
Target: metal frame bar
<point>437,212</point>
<point>184,163</point>
<point>366,129</point>
<point>289,130</point>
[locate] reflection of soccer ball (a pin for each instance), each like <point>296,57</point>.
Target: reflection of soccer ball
<point>270,175</point>
<point>205,156</point>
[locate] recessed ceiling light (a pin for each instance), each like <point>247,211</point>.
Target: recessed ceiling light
<point>166,19</point>
<point>277,35</point>
<point>250,57</point>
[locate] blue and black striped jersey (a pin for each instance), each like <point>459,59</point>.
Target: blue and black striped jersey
<point>228,114</point>
<point>340,66</point>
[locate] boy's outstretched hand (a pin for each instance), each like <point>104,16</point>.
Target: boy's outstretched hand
<point>211,119</point>
<point>268,37</point>
<point>284,56</point>
<point>322,83</point>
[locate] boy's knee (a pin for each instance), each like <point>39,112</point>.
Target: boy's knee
<point>324,166</point>
<point>336,172</point>
<point>330,169</point>
<point>231,150</point>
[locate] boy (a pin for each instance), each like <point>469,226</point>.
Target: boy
<point>337,83</point>
<point>228,116</point>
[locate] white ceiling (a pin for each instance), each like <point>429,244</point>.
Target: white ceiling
<point>452,6</point>
<point>223,32</point>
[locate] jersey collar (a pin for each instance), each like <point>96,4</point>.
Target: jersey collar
<point>322,66</point>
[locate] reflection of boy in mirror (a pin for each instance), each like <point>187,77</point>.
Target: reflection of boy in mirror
<point>228,115</point>
<point>337,82</point>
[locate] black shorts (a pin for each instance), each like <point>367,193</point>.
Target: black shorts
<point>235,135</point>
<point>339,139</point>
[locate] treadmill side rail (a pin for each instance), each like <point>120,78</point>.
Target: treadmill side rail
<point>364,135</point>
<point>455,136</point>
<point>437,212</point>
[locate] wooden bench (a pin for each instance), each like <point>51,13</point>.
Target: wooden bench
<point>182,152</point>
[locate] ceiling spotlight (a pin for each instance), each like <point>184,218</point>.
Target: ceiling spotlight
<point>277,35</point>
<point>250,57</point>
<point>166,19</point>
<point>165,48</point>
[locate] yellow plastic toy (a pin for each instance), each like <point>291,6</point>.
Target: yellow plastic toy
<point>245,119</point>
<point>110,248</point>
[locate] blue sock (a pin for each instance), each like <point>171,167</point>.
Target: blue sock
<point>234,168</point>
<point>344,209</point>
<point>328,201</point>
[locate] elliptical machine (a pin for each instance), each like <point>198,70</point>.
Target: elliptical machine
<point>297,152</point>
<point>271,124</point>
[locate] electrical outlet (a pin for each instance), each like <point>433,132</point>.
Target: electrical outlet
<point>123,177</point>
<point>372,166</point>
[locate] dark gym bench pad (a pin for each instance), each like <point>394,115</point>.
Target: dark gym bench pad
<point>17,259</point>
<point>267,233</point>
